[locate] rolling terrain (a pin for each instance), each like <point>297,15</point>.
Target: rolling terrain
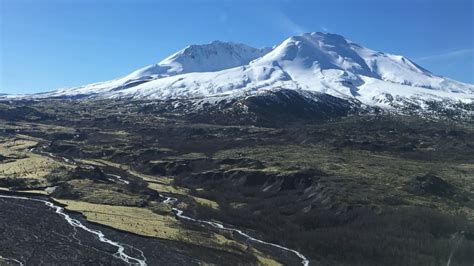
<point>317,151</point>
<point>346,190</point>
<point>314,68</point>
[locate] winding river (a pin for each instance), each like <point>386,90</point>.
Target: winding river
<point>179,214</point>
<point>119,254</point>
<point>11,259</point>
<point>168,200</point>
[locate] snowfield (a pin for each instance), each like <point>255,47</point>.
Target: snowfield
<point>316,62</point>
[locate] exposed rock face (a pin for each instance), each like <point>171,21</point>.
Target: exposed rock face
<point>431,184</point>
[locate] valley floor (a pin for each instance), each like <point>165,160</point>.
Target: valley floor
<point>351,191</point>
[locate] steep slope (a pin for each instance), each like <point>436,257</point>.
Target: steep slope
<point>210,57</point>
<point>320,63</point>
<point>201,58</point>
<point>313,54</point>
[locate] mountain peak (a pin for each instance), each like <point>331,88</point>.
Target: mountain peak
<point>209,57</point>
<point>317,50</point>
<point>316,61</point>
<point>322,37</point>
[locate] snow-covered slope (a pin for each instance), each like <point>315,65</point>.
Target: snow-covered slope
<point>201,58</point>
<point>323,52</point>
<point>214,56</point>
<point>315,62</point>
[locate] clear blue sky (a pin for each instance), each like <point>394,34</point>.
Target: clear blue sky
<point>49,44</point>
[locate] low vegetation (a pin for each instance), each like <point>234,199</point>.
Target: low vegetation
<point>366,190</point>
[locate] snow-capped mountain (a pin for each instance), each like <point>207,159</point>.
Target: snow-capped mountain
<point>201,58</point>
<point>313,62</point>
<point>210,57</point>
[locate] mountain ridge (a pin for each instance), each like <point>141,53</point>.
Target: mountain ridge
<point>317,62</point>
